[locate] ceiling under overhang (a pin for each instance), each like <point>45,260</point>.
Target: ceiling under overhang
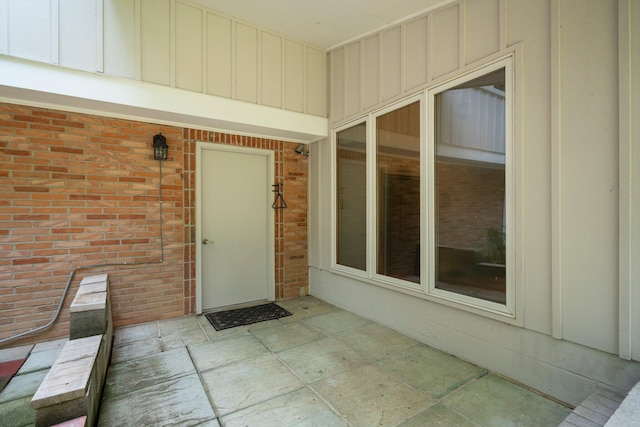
<point>326,23</point>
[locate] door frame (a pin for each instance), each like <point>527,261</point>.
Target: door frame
<point>270,155</point>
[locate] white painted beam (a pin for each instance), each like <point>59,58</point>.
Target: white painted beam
<point>38,84</point>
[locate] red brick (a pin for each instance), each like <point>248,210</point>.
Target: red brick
<point>29,261</point>
<point>30,217</point>
<point>67,123</point>
<point>65,230</point>
<point>100,217</point>
<point>47,128</point>
<point>31,189</point>
<point>61,169</point>
<point>100,205</point>
<point>50,114</point>
<point>68,176</point>
<point>14,152</point>
<point>66,150</point>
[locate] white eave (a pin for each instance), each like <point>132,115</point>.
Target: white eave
<point>39,84</point>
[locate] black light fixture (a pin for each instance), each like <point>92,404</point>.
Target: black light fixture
<point>302,150</point>
<point>160,147</point>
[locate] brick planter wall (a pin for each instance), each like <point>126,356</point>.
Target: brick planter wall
<point>78,190</point>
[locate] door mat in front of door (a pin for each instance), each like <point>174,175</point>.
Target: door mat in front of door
<point>246,316</point>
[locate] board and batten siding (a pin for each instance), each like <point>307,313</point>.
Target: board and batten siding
<point>400,60</point>
<point>168,42</point>
<point>571,326</point>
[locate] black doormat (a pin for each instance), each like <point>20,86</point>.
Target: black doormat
<point>246,316</point>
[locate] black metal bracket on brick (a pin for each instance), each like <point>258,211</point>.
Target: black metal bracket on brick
<point>279,202</point>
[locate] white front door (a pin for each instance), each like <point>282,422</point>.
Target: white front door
<point>235,222</point>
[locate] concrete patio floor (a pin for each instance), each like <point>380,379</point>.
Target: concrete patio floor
<point>322,366</point>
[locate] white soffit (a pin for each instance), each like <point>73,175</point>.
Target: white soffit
<point>323,23</point>
<point>30,83</point>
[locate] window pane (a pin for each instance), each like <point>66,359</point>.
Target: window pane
<point>470,188</point>
<point>398,193</point>
<point>351,193</point>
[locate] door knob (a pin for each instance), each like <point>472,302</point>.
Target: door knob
<point>205,241</point>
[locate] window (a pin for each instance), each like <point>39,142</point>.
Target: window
<point>398,193</point>
<point>471,231</point>
<point>432,209</point>
<point>351,192</point>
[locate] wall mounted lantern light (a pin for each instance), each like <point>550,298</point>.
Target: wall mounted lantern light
<point>160,147</point>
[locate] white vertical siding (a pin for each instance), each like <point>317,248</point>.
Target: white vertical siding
<point>402,59</point>
<point>315,91</point>
<point>529,22</point>
<point>120,38</point>
<point>4,27</point>
<point>246,63</point>
<point>482,28</point>
<point>588,173</point>
<point>417,48</point>
<point>78,38</point>
<point>446,41</point>
<point>155,40</point>
<point>337,95</point>
<point>405,58</point>
<point>168,42</point>
<point>391,69</point>
<point>188,61</point>
<point>483,130</point>
<point>629,154</point>
<point>294,76</point>
<point>29,30</point>
<point>567,62</point>
<point>219,56</point>
<point>371,72</point>
<point>271,75</point>
<point>353,95</point>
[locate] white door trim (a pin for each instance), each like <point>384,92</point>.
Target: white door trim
<point>200,146</point>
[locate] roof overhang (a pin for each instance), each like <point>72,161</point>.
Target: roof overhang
<point>38,84</point>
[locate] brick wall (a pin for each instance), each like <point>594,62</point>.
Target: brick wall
<point>470,201</point>
<point>399,206</point>
<point>78,190</point>
<point>291,262</point>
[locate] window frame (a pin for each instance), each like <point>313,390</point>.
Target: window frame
<point>509,308</point>
<point>334,199</point>
<point>373,205</point>
<point>510,312</point>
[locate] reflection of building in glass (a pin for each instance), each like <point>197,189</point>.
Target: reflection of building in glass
<point>351,193</point>
<point>398,193</point>
<point>470,188</point>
